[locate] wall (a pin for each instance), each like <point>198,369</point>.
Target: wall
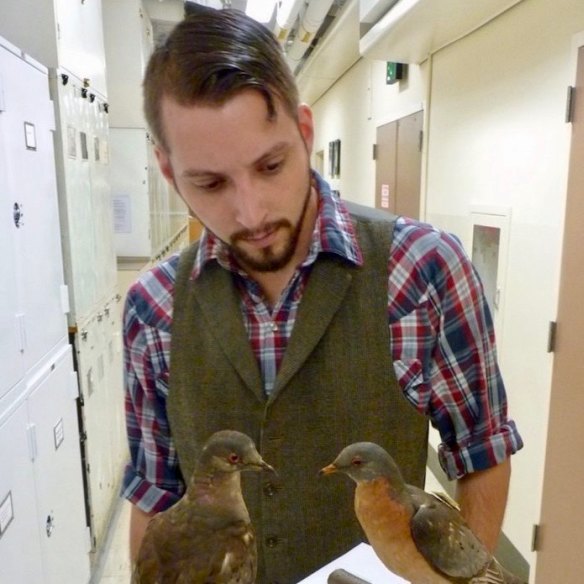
<point>495,137</point>
<point>351,110</point>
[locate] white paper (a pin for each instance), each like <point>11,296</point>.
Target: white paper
<point>385,196</point>
<point>360,561</point>
<point>122,213</point>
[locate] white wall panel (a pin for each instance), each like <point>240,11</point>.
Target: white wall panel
<point>131,203</point>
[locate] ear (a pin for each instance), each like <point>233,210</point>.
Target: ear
<point>306,126</point>
<point>164,163</point>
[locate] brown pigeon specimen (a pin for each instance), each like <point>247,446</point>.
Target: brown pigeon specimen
<point>206,537</point>
<point>419,536</point>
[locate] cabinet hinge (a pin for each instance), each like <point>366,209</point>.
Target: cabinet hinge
<point>552,331</point>
<point>570,97</point>
<point>421,142</point>
<point>535,537</point>
<point>374,152</point>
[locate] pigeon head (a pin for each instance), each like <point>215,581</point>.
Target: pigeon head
<point>365,461</point>
<point>229,451</point>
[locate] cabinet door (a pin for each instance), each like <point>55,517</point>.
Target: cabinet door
<point>18,514</point>
<point>58,473</point>
<point>79,244</point>
<point>31,162</point>
<point>11,362</point>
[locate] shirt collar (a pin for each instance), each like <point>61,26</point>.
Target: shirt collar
<point>334,233</point>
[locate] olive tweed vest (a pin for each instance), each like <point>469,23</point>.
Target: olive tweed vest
<point>336,385</point>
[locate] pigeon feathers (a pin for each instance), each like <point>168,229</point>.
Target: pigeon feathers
<point>206,537</point>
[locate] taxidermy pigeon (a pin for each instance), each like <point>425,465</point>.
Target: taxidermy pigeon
<point>206,537</point>
<point>419,536</point>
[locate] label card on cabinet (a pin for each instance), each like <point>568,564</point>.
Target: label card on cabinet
<point>58,433</point>
<point>6,513</point>
<point>30,136</point>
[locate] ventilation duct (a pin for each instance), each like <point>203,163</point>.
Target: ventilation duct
<point>286,15</point>
<point>310,22</point>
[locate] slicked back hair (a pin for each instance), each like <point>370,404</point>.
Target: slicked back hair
<point>212,56</point>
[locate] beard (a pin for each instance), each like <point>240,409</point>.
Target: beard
<point>271,259</point>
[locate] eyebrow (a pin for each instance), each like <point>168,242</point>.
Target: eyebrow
<point>277,149</point>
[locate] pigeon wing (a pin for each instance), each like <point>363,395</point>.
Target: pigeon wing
<point>444,539</point>
<point>197,553</point>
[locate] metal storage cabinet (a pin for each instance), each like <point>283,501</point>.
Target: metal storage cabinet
<point>84,193</point>
<point>40,463</point>
<point>20,557</point>
<point>43,529</point>
<point>33,282</point>
<point>54,438</point>
<point>59,33</point>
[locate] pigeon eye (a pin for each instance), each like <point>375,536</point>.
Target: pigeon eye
<point>233,458</point>
<point>357,461</point>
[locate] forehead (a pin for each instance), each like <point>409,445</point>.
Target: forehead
<point>240,127</point>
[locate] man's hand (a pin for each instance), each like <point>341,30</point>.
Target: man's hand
<point>138,522</point>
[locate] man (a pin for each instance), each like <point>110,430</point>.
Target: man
<point>294,320</point>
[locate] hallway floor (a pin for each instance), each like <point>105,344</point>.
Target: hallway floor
<point>114,565</point>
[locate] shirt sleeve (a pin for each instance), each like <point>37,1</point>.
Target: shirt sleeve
<point>152,479</point>
<point>443,348</point>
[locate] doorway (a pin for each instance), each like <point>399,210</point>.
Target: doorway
<point>560,557</point>
<point>398,168</point>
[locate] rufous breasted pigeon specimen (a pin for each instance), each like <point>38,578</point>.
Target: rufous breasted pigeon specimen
<point>206,537</point>
<point>419,536</point>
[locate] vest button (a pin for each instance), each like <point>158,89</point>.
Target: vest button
<point>269,489</point>
<point>272,541</point>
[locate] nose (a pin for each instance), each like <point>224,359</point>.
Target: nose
<point>249,203</point>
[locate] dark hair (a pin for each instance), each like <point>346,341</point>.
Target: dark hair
<point>210,57</point>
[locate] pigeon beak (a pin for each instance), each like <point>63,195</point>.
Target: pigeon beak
<point>258,463</point>
<point>265,466</point>
<point>327,470</point>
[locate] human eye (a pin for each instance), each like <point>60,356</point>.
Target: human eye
<point>272,166</point>
<point>209,185</point>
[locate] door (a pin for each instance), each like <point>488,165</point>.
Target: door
<point>560,558</point>
<point>58,474</point>
<point>18,512</point>
<point>399,166</point>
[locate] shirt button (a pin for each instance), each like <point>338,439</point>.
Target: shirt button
<point>274,327</point>
<point>272,541</point>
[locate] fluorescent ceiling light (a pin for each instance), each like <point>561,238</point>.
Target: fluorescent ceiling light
<point>260,10</point>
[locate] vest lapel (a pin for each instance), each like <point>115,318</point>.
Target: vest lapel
<point>327,286</point>
<point>217,297</point>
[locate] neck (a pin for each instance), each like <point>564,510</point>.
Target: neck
<point>219,494</point>
<point>274,283</point>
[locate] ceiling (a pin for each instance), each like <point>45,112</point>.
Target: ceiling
<point>164,14</point>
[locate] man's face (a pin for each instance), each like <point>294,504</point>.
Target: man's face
<point>246,177</point>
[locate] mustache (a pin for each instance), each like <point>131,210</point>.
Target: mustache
<point>245,234</point>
